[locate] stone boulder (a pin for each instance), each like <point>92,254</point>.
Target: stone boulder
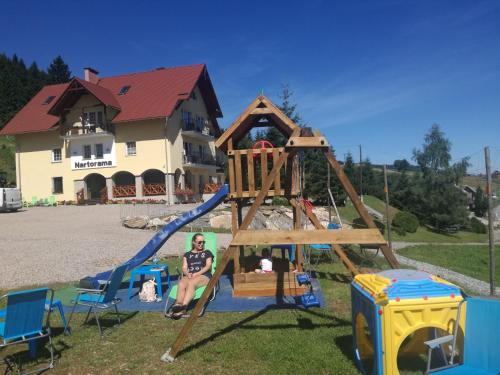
<point>139,222</point>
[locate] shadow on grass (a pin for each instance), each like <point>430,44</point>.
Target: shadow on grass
<point>345,344</point>
<point>302,323</point>
<point>109,319</point>
<point>333,276</point>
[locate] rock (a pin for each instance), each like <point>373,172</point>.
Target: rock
<point>156,222</point>
<point>221,221</point>
<point>278,221</point>
<point>139,222</point>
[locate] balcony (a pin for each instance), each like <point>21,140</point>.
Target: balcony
<point>199,161</point>
<point>196,131</point>
<point>87,131</point>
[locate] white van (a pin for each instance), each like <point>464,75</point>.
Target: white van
<point>10,199</point>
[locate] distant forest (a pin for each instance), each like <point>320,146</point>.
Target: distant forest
<point>18,84</point>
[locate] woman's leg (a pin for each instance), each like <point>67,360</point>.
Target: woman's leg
<point>181,290</point>
<point>191,288</point>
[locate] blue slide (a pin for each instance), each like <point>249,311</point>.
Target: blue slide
<point>155,243</point>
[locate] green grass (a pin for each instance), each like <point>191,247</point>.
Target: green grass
<point>265,342</point>
<point>379,205</point>
<point>470,260</point>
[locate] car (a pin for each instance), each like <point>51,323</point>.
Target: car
<point>10,199</point>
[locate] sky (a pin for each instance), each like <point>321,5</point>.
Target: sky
<point>371,73</point>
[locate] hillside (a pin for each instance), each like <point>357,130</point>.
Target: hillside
<point>7,158</point>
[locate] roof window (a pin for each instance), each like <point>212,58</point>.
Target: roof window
<point>48,100</point>
<point>124,90</point>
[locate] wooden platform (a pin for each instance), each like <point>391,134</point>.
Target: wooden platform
<point>266,285</point>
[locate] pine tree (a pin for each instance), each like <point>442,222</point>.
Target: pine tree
<point>58,71</point>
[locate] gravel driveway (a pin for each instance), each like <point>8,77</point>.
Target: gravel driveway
<point>59,244</point>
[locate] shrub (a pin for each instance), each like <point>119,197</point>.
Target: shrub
<point>405,222</point>
<point>358,223</point>
<point>477,226</point>
<point>280,201</point>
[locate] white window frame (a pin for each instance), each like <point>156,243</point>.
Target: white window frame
<point>102,151</point>
<point>54,159</point>
<point>128,147</point>
<point>54,185</point>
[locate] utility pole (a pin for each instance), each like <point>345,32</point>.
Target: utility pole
<point>360,175</point>
<point>388,219</point>
<point>491,234</point>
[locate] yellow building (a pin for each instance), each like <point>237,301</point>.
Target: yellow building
<point>135,136</point>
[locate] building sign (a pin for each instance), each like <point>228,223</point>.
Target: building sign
<point>92,164</point>
<point>95,153</point>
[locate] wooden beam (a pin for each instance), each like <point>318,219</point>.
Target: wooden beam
<point>256,151</point>
<point>261,111</point>
<point>232,181</point>
<point>239,177</point>
<point>263,166</point>
<point>316,142</point>
<point>317,224</point>
<point>247,194</point>
<point>277,182</point>
<point>360,208</point>
<point>308,237</point>
<point>297,224</point>
<point>251,177</point>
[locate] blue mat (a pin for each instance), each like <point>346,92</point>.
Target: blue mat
<point>224,301</point>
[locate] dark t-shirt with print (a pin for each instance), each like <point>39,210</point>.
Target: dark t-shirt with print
<point>197,260</point>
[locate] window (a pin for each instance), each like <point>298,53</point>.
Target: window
<point>57,185</point>
<point>100,118</point>
<point>200,123</point>
<point>186,117</point>
<point>124,90</point>
<point>87,152</point>
<point>94,118</point>
<point>48,100</point>
<point>131,148</point>
<point>99,152</point>
<point>56,155</point>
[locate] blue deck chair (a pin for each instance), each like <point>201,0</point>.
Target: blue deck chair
<point>211,244</point>
<point>101,299</point>
<point>23,320</point>
<point>324,248</point>
<point>482,332</point>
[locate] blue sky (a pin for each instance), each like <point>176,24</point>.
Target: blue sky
<point>373,73</point>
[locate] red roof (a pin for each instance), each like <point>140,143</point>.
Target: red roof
<point>152,94</point>
<point>33,117</point>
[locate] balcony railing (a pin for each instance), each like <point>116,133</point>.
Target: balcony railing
<point>88,129</point>
<point>154,189</point>
<point>122,191</point>
<point>199,159</point>
<point>192,127</point>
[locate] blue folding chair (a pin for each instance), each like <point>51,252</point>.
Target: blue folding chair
<point>23,321</point>
<point>320,249</point>
<point>101,299</point>
<point>482,333</point>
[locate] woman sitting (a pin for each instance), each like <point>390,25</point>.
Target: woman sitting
<point>197,271</point>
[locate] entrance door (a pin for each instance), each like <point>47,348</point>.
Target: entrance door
<point>95,183</point>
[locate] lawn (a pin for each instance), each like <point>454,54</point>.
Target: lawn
<point>470,260</point>
<point>423,234</point>
<point>379,205</point>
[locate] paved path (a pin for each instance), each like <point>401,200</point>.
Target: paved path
<point>59,244</point>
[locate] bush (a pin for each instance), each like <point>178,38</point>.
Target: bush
<point>476,226</point>
<point>358,223</point>
<point>280,201</point>
<point>405,222</point>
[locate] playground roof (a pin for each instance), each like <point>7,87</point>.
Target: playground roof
<point>152,94</point>
<point>261,112</point>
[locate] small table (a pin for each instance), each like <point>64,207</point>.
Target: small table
<point>150,269</point>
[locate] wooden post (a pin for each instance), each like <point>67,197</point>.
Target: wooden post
<point>491,233</point>
<point>388,219</point>
<point>297,224</point>
<point>360,208</point>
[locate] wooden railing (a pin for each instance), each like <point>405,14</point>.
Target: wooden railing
<point>154,189</point>
<point>211,188</point>
<point>122,191</point>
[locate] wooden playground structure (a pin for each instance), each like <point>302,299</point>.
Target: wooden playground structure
<point>257,174</point>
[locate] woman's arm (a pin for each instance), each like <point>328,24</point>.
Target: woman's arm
<point>208,267</point>
<point>185,266</point>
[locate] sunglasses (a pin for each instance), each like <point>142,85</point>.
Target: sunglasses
<point>200,242</point>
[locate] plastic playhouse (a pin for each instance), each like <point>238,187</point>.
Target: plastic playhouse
<point>394,312</point>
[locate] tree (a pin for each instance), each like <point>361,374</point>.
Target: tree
<point>58,71</point>
<point>437,200</point>
<point>480,203</point>
<point>401,165</point>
